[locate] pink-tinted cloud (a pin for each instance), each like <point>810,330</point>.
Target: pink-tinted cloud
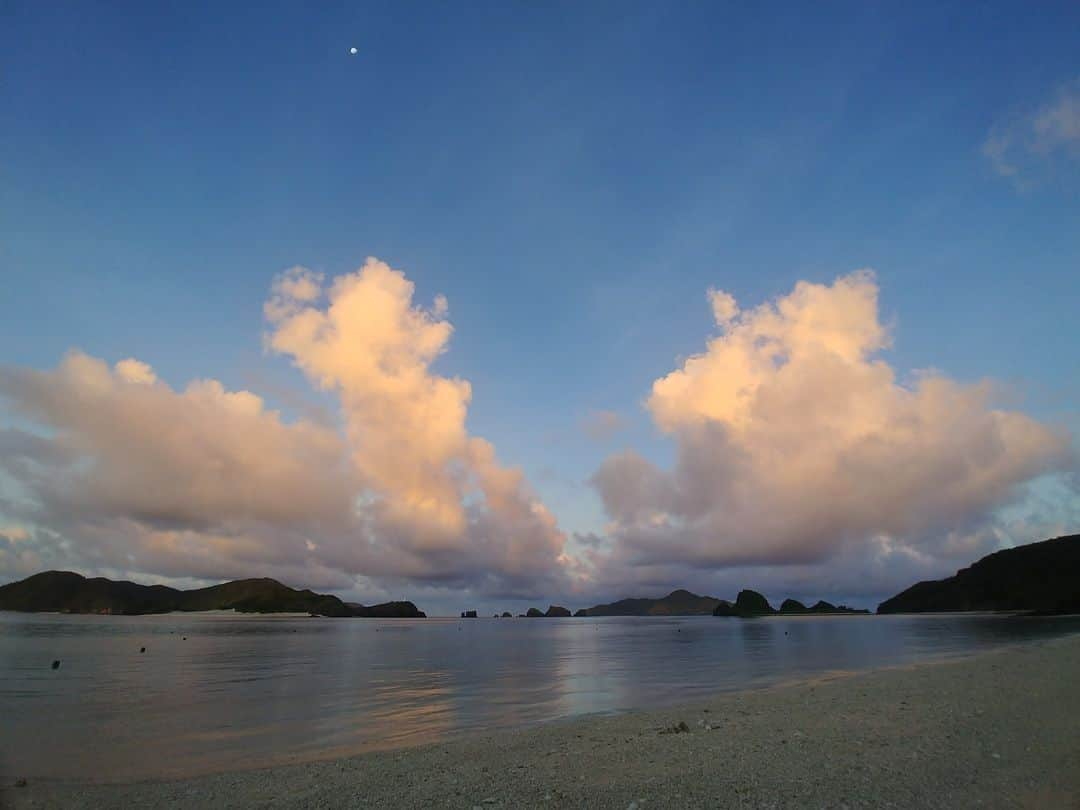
<point>125,473</point>
<point>802,463</point>
<point>797,445</point>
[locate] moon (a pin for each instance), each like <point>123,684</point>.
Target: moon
<point>352,51</point>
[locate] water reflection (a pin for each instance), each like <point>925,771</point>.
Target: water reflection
<point>216,691</point>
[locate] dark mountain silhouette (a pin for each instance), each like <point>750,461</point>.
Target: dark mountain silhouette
<point>68,592</point>
<point>793,607</point>
<point>1042,577</point>
<point>676,603</point>
<point>747,603</point>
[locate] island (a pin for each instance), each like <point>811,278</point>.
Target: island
<point>750,604</point>
<point>68,592</point>
<point>681,602</point>
<point>676,603</point>
<point>1041,577</point>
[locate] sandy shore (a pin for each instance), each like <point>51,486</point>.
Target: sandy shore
<point>998,730</point>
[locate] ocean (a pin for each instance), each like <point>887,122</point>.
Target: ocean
<point>220,691</point>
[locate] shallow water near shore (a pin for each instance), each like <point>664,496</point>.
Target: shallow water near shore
<point>221,691</point>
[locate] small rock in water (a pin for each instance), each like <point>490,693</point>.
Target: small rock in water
<point>56,664</point>
<point>20,782</point>
<point>142,649</point>
<point>184,638</point>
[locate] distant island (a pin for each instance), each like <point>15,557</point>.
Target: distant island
<point>68,592</point>
<point>684,603</point>
<point>1042,577</point>
<point>676,603</point>
<point>749,604</point>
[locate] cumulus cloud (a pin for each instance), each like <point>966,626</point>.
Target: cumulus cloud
<point>439,492</point>
<point>1021,147</point>
<point>796,445</point>
<point>124,472</point>
<point>802,464</point>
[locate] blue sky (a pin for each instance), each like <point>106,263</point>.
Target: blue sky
<point>572,177</point>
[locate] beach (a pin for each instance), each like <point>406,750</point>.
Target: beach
<point>998,729</point>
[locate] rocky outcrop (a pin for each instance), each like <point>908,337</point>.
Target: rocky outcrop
<point>747,603</point>
<point>557,612</point>
<point>793,607</point>
<point>534,613</point>
<point>750,604</point>
<point>68,592</point>
<point>1043,577</point>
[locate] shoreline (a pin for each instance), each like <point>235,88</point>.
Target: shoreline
<point>993,729</point>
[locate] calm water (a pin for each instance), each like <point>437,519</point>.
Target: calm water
<point>246,691</point>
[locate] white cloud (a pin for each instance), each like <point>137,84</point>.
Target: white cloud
<point>796,445</point>
<point>802,464</point>
<point>1024,147</point>
<point>129,474</point>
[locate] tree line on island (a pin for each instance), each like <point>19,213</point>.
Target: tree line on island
<point>1038,577</point>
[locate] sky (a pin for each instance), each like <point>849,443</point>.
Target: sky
<point>526,304</point>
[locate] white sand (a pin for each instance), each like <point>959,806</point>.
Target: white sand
<point>998,730</point>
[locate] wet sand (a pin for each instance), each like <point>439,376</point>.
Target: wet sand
<point>1001,729</point>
